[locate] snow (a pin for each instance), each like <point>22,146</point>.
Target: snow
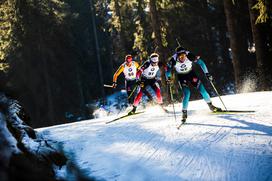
<point>148,146</point>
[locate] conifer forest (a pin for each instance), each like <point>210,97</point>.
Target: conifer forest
<point>56,55</point>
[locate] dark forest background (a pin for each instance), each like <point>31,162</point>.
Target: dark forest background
<point>55,55</point>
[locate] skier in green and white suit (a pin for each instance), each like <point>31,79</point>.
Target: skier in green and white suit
<point>186,74</point>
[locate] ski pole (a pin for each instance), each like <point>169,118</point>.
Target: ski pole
<point>218,95</point>
<point>132,92</point>
<point>172,100</point>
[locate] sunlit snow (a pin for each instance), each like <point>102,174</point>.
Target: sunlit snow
<point>148,146</point>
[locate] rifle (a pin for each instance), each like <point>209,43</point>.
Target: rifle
<point>108,86</point>
<point>178,42</point>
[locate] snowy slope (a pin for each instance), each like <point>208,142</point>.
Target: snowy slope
<point>149,147</point>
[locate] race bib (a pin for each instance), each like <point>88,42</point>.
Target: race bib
<point>130,72</point>
<point>183,67</point>
<point>150,72</point>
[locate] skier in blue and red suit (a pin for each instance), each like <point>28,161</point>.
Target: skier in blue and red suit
<point>147,75</point>
<point>187,75</point>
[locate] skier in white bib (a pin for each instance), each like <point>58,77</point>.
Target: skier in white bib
<point>186,74</point>
<point>129,69</point>
<point>147,76</point>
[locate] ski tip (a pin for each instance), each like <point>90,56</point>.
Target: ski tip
<point>124,116</point>
<point>182,123</point>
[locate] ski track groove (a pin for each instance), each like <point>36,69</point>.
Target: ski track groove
<point>214,139</point>
<point>230,154</point>
<point>145,141</point>
<point>219,138</point>
<point>254,161</point>
<point>188,141</point>
<point>146,159</point>
<point>198,152</point>
<point>143,157</point>
<point>154,146</point>
<point>210,173</point>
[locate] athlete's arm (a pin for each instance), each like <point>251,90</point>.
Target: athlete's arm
<point>117,73</point>
<point>170,64</point>
<point>203,66</point>
<point>137,65</point>
<point>141,69</point>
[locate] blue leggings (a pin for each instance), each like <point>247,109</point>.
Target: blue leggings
<point>187,93</point>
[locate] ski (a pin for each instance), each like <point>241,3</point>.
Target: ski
<point>182,123</point>
<point>124,116</point>
<point>233,111</point>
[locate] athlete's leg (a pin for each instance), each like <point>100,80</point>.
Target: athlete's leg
<point>207,98</point>
<point>130,85</point>
<point>138,97</point>
<point>204,93</point>
<point>150,98</point>
<point>186,97</point>
<point>156,87</point>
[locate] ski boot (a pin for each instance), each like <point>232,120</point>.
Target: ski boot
<point>184,116</point>
<point>132,111</point>
<point>213,108</point>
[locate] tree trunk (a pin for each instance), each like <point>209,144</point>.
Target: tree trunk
<point>144,24</point>
<point>156,26</point>
<point>101,79</point>
<point>262,50</point>
<point>48,87</point>
<point>121,33</point>
<point>204,20</point>
<point>238,42</point>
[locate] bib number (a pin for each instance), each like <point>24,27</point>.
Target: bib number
<point>152,72</point>
<point>130,73</point>
<point>183,68</point>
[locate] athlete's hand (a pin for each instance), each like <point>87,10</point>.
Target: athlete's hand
<point>184,83</point>
<point>140,82</point>
<point>114,85</point>
<point>209,77</point>
<point>158,79</point>
<point>168,81</point>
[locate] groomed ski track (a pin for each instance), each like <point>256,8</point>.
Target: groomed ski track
<point>148,146</point>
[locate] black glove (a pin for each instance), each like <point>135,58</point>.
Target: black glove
<point>168,80</point>
<point>140,82</point>
<point>184,83</point>
<point>114,85</point>
<point>209,77</point>
<point>158,79</point>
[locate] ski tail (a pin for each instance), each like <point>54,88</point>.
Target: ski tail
<point>234,111</point>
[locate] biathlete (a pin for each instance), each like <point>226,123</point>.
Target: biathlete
<point>187,75</point>
<point>147,76</point>
<point>129,69</point>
